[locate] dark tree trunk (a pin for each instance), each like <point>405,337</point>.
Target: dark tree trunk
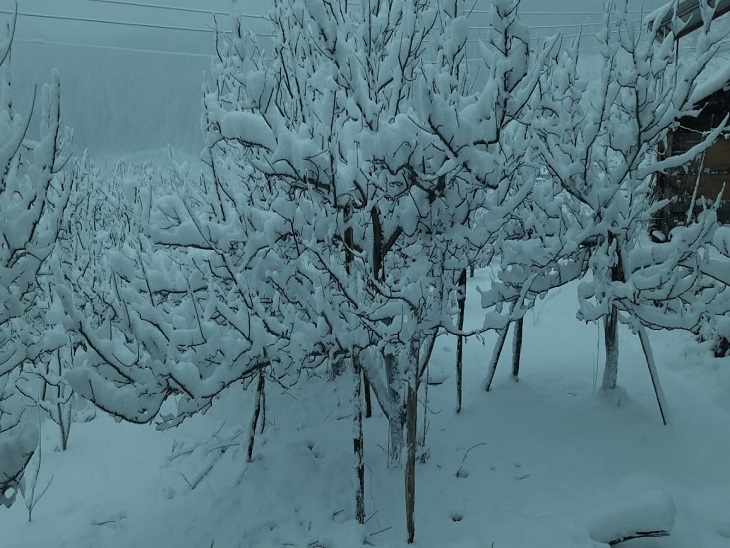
<point>396,418</point>
<point>357,441</point>
<point>410,476</point>
<point>610,324</point>
<point>610,331</point>
<point>460,339</point>
<point>64,409</point>
<point>255,417</point>
<point>368,397</point>
<point>517,349</point>
<point>262,420</point>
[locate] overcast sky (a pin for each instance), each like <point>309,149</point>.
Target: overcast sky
<point>131,70</point>
<point>545,14</point>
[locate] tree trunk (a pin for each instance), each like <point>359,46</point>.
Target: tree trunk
<point>410,475</point>
<point>255,416</point>
<point>460,339</point>
<point>610,331</point>
<point>517,349</point>
<point>424,427</point>
<point>396,418</point>
<point>357,441</point>
<point>262,420</point>
<point>65,408</point>
<point>357,374</point>
<point>610,323</point>
<point>497,352</point>
<point>368,397</point>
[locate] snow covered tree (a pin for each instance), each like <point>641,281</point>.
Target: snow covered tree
<point>140,311</point>
<point>599,138</point>
<point>362,156</point>
<point>34,190</point>
<point>353,176</point>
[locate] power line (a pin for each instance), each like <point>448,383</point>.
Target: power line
<point>177,8</point>
<point>563,26</point>
<point>560,13</point>
<point>107,21</point>
<point>113,48</point>
<point>210,30</point>
<point>117,22</point>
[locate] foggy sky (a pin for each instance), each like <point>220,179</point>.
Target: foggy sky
<point>130,88</point>
<point>549,12</point>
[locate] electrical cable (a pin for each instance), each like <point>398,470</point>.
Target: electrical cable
<point>176,8</point>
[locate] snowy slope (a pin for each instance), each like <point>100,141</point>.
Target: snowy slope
<point>539,463</point>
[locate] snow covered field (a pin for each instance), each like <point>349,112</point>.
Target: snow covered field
<point>348,182</point>
<point>531,464</point>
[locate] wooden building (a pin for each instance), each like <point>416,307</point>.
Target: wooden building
<point>706,176</point>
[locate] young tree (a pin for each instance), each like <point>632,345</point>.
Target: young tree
<point>368,157</point>
<point>34,190</point>
<point>353,177</point>
<point>599,140</point>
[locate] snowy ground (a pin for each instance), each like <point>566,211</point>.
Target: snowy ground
<point>531,464</point>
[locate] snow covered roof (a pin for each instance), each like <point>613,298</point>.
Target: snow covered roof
<point>688,11</point>
<point>713,80</point>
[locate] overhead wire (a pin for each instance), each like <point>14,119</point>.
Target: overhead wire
<point>211,29</point>
<point>249,16</point>
<point>42,42</point>
<point>106,21</point>
<point>176,8</point>
<point>140,24</point>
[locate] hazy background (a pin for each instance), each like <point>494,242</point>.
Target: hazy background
<point>131,70</point>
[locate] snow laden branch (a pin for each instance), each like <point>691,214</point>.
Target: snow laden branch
<point>600,141</point>
<point>34,190</point>
<point>147,314</point>
<point>362,171</point>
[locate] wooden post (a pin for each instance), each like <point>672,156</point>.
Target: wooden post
<point>658,391</point>
<point>496,353</point>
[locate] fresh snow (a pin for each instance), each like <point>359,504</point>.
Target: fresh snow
<point>247,127</point>
<point>543,462</point>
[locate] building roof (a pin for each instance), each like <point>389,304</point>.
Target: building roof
<point>689,11</point>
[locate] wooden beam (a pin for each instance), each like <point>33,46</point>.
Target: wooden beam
<point>689,11</point>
